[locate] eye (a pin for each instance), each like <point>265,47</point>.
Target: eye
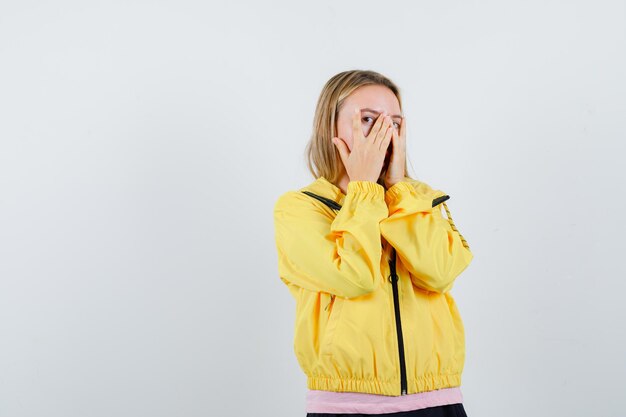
<point>397,125</point>
<point>367,117</point>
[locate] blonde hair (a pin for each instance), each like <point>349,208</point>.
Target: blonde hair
<point>322,157</point>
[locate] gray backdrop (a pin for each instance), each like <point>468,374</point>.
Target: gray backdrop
<point>143,145</point>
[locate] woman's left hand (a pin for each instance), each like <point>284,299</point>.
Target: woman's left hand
<point>395,170</point>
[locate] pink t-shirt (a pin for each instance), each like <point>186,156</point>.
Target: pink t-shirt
<point>318,401</point>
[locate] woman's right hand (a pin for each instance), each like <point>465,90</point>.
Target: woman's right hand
<point>365,161</point>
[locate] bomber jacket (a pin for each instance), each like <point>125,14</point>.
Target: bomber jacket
<point>371,273</point>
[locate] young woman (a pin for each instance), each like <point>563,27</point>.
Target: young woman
<point>369,258</point>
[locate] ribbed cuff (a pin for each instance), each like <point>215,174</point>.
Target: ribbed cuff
<point>367,187</point>
<point>395,191</point>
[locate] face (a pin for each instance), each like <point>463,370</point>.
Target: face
<point>372,100</point>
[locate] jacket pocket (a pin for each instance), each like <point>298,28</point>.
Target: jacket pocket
<point>335,306</point>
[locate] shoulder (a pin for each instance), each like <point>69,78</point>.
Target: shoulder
<point>289,199</point>
<point>298,201</point>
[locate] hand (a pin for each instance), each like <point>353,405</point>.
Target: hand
<point>365,161</point>
<point>395,170</point>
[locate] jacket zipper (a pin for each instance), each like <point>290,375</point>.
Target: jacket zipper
<point>393,278</point>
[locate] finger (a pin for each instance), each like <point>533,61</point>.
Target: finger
<point>376,128</point>
<point>342,148</point>
<point>397,132</point>
<point>357,130</point>
<point>382,132</point>
<point>387,138</point>
<point>392,137</point>
<point>403,127</point>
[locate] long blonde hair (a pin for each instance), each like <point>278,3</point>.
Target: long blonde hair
<point>322,157</point>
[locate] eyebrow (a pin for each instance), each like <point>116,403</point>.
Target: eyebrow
<point>377,112</point>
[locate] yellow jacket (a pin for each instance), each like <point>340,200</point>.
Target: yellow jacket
<point>356,327</point>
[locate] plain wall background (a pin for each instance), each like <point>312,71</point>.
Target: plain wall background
<point>143,145</point>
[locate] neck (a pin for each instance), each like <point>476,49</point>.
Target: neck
<point>343,183</point>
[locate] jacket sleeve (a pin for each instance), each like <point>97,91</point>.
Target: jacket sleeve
<point>428,245</point>
<point>320,251</point>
